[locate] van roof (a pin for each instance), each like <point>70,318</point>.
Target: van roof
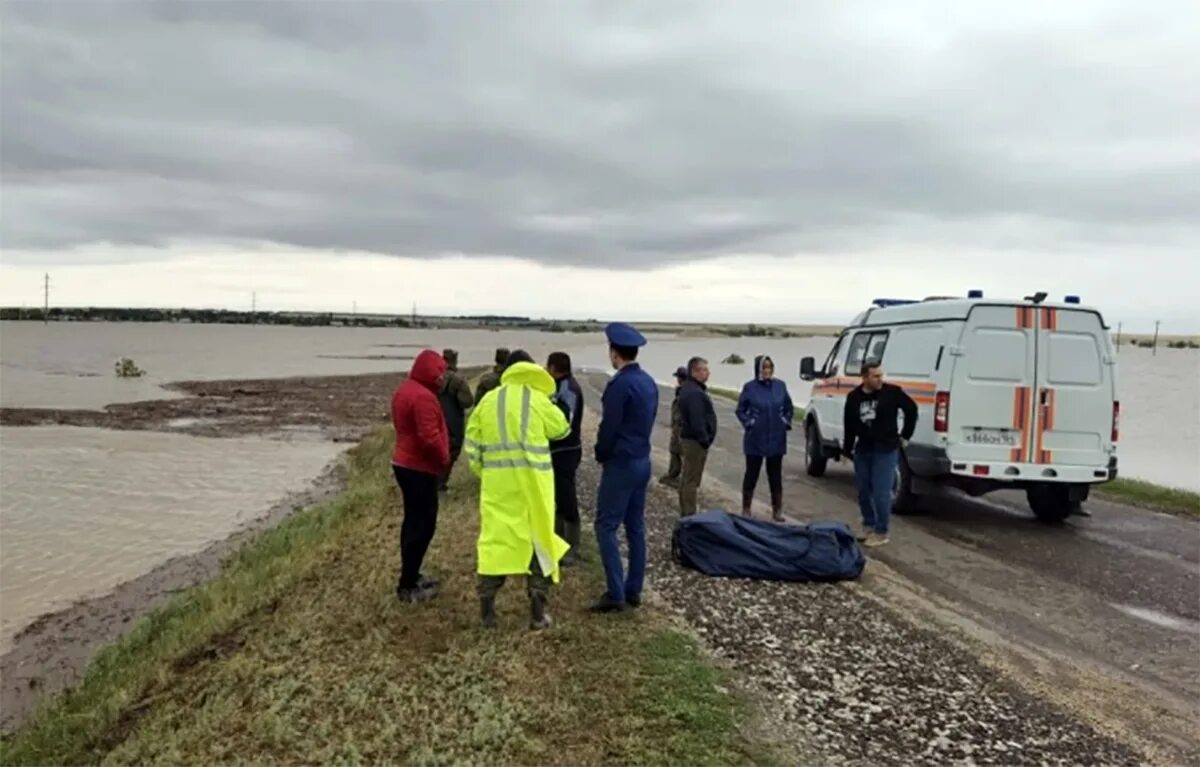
<point>936,309</point>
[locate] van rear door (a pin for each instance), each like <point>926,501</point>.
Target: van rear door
<point>1075,389</point>
<point>992,386</point>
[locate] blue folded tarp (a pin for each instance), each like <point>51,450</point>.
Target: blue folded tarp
<point>724,545</point>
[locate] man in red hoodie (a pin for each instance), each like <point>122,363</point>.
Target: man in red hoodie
<point>421,457</point>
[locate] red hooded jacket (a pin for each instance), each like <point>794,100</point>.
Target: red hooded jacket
<point>422,439</point>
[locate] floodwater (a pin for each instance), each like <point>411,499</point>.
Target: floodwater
<point>86,509</point>
<point>83,509</point>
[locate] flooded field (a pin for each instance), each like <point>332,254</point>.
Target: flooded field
<point>83,508</point>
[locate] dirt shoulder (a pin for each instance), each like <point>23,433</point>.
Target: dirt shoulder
<point>857,681</point>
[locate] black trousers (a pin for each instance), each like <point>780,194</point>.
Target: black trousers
<point>754,468</point>
<point>420,493</point>
<point>566,499</point>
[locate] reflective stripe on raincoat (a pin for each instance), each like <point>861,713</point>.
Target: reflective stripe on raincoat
<point>508,446</point>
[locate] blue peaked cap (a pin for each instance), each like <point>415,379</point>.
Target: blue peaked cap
<point>621,334</point>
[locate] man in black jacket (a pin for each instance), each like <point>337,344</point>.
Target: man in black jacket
<point>697,432</point>
<point>873,438</point>
<point>566,453</point>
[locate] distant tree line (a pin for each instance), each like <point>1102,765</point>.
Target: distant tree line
<point>209,316</point>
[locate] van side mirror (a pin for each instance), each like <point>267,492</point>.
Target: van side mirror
<point>808,369</point>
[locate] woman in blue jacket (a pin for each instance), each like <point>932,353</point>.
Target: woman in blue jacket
<point>765,410</point>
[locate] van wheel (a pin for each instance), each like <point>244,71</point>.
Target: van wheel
<point>815,459</point>
<point>1050,503</point>
<point>904,500</point>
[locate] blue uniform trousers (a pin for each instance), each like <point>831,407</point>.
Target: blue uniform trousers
<point>622,500</point>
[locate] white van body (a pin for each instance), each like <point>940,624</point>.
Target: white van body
<point>1016,394</point>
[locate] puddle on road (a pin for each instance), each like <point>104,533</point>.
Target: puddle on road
<point>1159,619</point>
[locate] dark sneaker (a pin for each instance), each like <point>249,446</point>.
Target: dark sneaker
<point>428,583</point>
<point>416,594</point>
<point>607,604</point>
<point>633,600</point>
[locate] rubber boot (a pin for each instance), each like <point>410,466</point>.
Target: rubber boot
<point>777,505</point>
<point>487,612</point>
<point>539,619</point>
<point>747,505</point>
<point>570,534</point>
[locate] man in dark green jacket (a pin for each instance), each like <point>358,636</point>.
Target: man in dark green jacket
<point>671,478</point>
<point>491,379</point>
<point>455,398</point>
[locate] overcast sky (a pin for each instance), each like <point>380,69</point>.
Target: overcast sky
<point>771,161</point>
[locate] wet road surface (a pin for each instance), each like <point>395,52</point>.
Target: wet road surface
<point>1114,596</point>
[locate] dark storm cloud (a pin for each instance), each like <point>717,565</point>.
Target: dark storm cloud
<point>611,133</point>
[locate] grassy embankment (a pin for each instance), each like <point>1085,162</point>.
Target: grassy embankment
<point>1132,491</point>
<point>1141,493</point>
<point>300,653</point>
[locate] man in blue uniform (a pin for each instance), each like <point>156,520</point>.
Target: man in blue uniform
<point>630,404</point>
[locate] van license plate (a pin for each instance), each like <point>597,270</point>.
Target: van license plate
<point>998,437</point>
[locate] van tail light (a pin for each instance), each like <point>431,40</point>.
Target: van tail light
<point>941,412</point>
<point>1116,421</point>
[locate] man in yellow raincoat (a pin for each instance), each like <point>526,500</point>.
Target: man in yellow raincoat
<point>508,446</point>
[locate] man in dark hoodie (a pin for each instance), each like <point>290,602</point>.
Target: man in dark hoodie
<point>491,379</point>
<point>456,399</point>
<point>566,453</point>
<point>671,478</point>
<point>697,432</point>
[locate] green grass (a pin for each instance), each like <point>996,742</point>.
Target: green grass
<point>1138,492</point>
<point>733,395</point>
<point>300,653</point>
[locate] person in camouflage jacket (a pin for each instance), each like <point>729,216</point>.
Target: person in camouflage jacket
<point>671,478</point>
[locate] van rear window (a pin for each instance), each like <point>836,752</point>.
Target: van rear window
<point>998,354</point>
<point>1074,359</point>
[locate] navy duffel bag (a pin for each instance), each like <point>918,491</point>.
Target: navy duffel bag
<point>725,545</point>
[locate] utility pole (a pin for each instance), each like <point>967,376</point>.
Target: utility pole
<point>1154,346</point>
<point>254,307</point>
<point>414,314</point>
<point>1118,338</point>
<point>46,301</point>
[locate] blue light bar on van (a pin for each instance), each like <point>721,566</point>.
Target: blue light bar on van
<point>975,294</point>
<point>1070,299</point>
<point>886,302</point>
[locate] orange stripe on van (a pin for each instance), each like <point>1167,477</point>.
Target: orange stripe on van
<point>1020,411</point>
<point>1045,422</point>
<point>1049,319</point>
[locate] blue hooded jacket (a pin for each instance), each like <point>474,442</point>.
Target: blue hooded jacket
<point>765,410</point>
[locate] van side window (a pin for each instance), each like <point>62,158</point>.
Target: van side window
<point>830,366</point>
<point>865,346</point>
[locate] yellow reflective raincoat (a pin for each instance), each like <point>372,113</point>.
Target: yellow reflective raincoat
<point>508,446</point>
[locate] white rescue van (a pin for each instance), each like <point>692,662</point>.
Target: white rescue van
<point>1010,394</point>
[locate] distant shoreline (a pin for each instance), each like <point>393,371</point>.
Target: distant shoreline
<point>414,321</point>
